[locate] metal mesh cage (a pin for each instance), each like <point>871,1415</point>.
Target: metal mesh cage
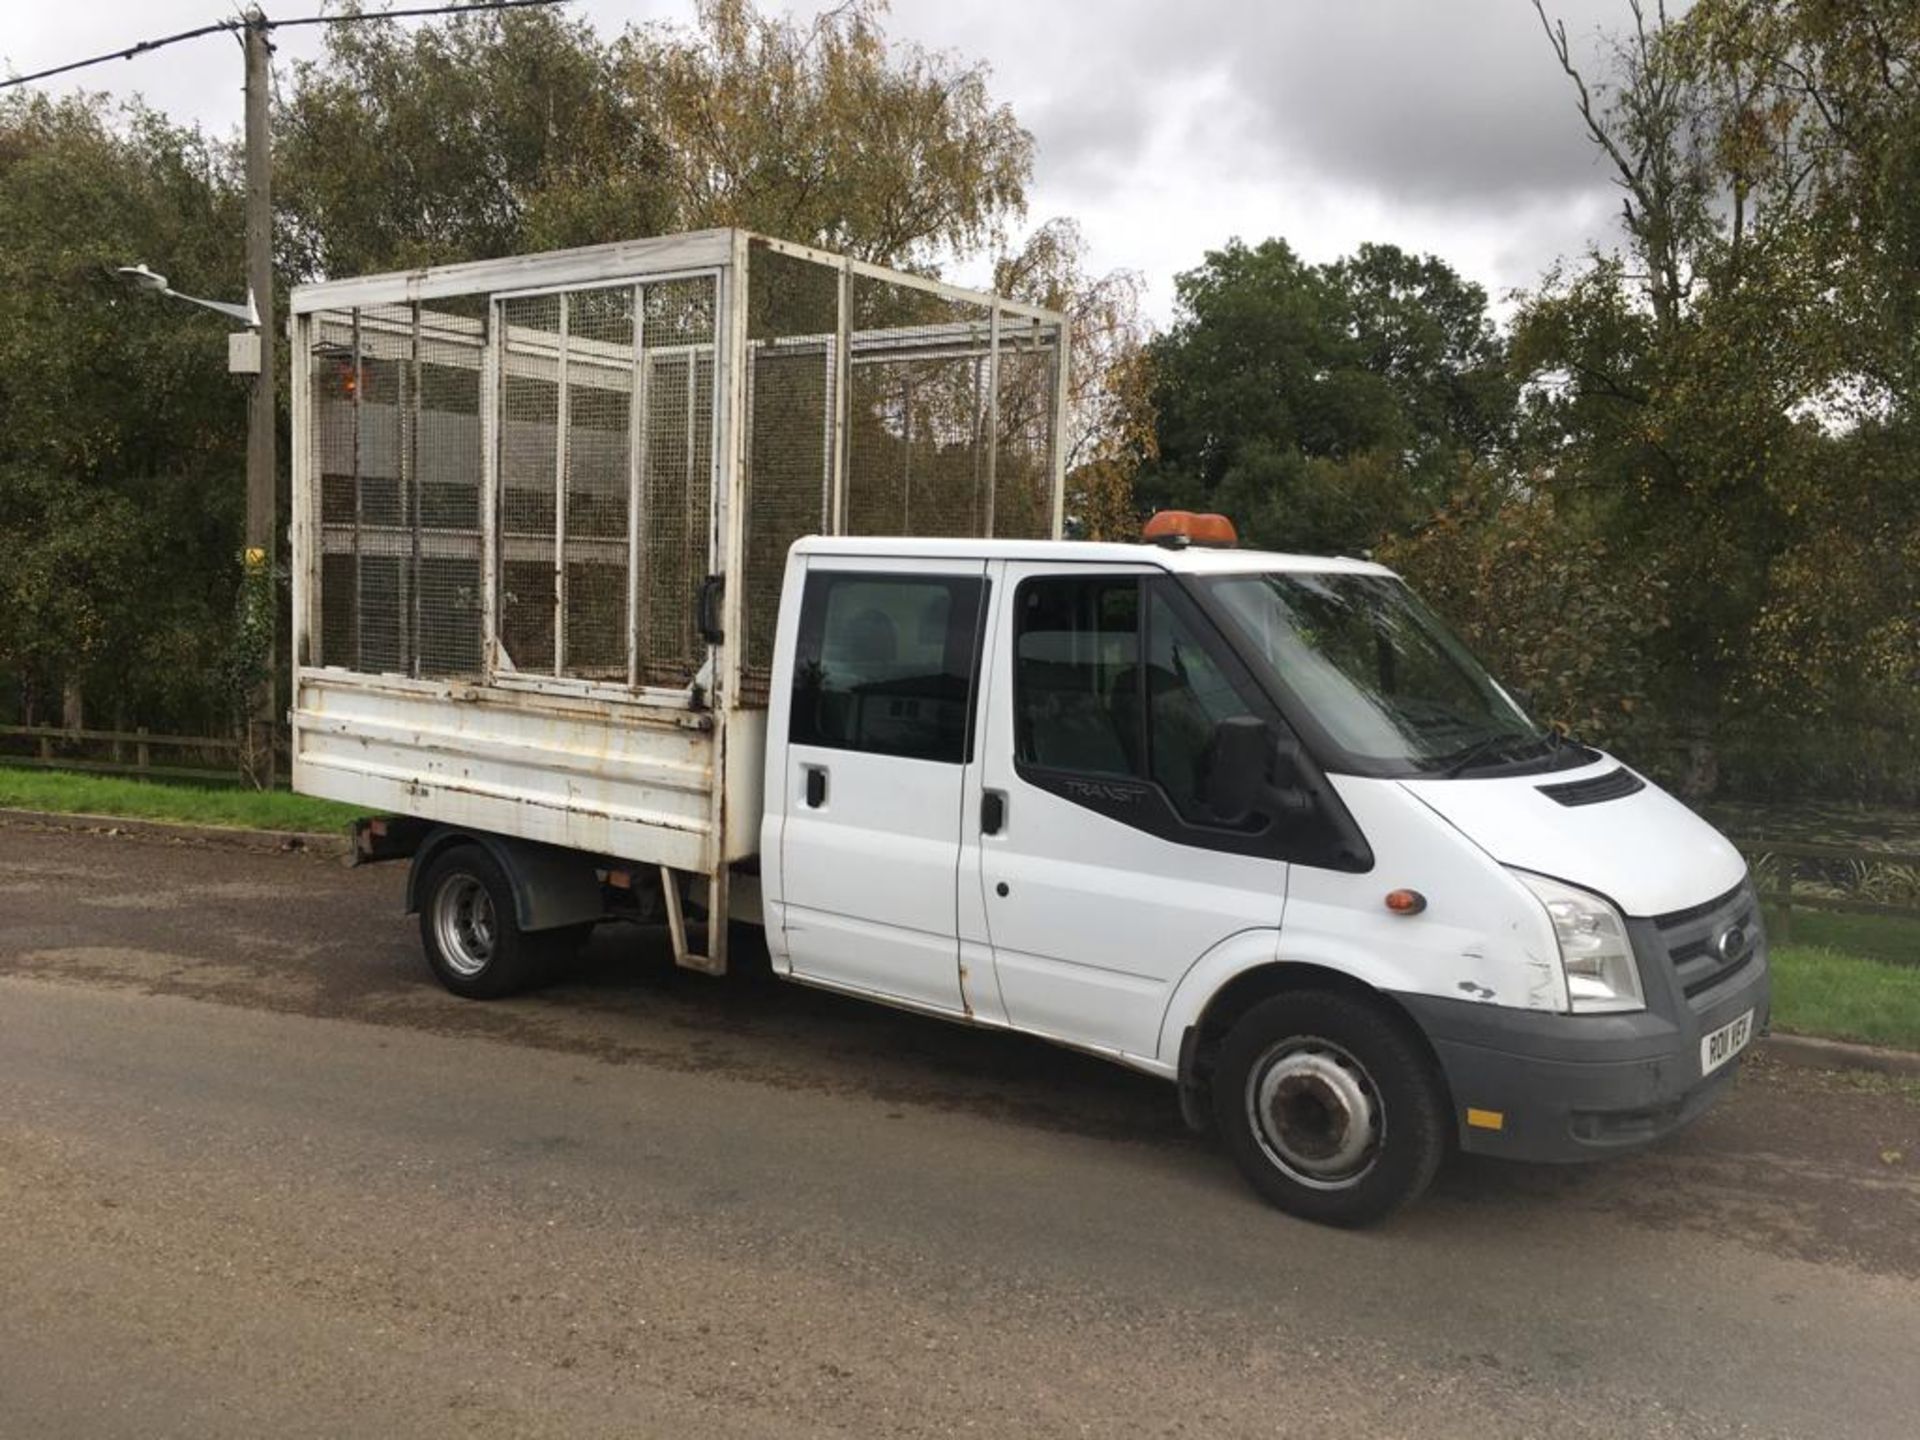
<point>522,484</point>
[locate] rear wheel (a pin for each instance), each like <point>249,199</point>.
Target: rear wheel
<point>469,930</point>
<point>1330,1107</point>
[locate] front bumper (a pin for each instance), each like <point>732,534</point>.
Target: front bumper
<point>1580,1087</point>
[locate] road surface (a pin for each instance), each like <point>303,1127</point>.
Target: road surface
<point>260,1176</point>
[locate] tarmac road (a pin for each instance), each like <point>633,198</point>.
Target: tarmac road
<point>260,1176</point>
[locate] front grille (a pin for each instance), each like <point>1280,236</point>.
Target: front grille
<point>1613,785</point>
<point>1692,939</point>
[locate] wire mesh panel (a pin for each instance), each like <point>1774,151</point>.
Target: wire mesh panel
<point>531,369</point>
<point>1024,420</point>
<point>598,445</point>
<point>606,479</point>
<point>398,464</point>
<point>446,591</point>
<point>941,432</point>
<point>793,321</point>
<point>384,534</point>
<point>917,414</point>
<point>676,476</point>
<point>334,376</point>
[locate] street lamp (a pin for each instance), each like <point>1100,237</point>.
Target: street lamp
<point>141,278</point>
<point>247,354</point>
<point>243,347</point>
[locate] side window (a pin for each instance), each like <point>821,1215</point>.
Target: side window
<point>1113,680</point>
<point>887,664</point>
<point>1188,694</point>
<point>1075,638</point>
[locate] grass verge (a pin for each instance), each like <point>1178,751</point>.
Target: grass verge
<point>72,793</point>
<point>1891,938</point>
<point>1842,996</point>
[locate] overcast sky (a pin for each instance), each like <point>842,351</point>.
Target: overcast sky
<point>1165,126</point>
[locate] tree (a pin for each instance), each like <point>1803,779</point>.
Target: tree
<point>828,134</point>
<point>500,132</point>
<point>1323,406</point>
<point>1557,607</point>
<point>1725,400</point>
<point>488,134</point>
<point>119,459</point>
<point>1427,333</point>
<point>1110,418</point>
<point>480,135</point>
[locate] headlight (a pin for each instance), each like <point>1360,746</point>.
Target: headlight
<point>1595,952</point>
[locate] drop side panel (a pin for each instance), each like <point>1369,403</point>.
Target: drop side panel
<point>605,776</point>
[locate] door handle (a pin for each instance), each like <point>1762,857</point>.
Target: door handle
<point>816,786</point>
<point>993,811</point>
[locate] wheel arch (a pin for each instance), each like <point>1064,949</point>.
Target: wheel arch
<point>1206,1026</point>
<point>552,886</point>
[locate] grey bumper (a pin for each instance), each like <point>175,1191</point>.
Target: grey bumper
<point>1578,1087</point>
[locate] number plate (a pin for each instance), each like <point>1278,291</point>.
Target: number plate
<point>1723,1044</point>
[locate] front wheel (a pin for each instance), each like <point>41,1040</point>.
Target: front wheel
<point>1330,1107</point>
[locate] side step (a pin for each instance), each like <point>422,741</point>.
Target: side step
<point>714,961</point>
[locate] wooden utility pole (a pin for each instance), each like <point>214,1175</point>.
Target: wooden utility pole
<point>262,419</point>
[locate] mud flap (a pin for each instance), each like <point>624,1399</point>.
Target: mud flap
<point>1195,1108</point>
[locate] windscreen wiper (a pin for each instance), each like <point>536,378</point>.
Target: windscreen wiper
<point>1483,749</point>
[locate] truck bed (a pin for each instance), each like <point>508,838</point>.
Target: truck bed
<point>609,777</point>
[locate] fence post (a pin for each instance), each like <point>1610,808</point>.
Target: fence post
<point>142,755</point>
<point>46,749</point>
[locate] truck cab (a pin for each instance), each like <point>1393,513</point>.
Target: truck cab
<point>1255,823</point>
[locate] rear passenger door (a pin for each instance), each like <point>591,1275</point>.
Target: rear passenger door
<point>879,734</point>
<point>1103,876</point>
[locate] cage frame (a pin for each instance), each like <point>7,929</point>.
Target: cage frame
<point>662,775</point>
<point>724,255</point>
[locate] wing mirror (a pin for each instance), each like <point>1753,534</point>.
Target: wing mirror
<point>1253,770</point>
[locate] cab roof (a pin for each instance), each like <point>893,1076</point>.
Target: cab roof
<point>1191,560</point>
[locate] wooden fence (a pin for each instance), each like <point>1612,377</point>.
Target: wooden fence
<point>1783,898</point>
<point>131,752</point>
<point>126,752</point>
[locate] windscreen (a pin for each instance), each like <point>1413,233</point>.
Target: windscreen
<point>1377,670</point>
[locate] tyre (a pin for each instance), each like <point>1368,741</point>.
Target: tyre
<point>1330,1106</point>
<point>469,930</point>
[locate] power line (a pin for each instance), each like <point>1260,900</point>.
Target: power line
<point>127,54</point>
<point>408,14</point>
<point>231,26</point>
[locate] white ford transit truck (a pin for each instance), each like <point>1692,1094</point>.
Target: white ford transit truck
<point>711,576</point>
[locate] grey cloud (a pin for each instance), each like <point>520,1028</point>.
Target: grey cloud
<point>1439,102</point>
<point>1442,103</point>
